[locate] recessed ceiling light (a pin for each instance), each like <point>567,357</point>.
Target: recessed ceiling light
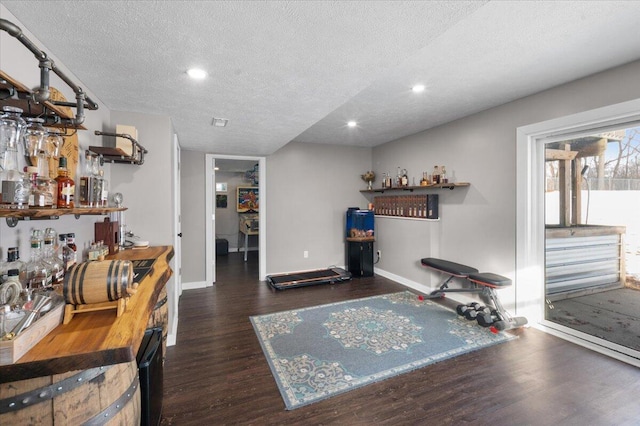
<point>197,73</point>
<point>418,88</point>
<point>219,122</point>
<point>352,124</point>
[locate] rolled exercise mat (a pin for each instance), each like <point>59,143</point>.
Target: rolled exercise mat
<point>96,282</point>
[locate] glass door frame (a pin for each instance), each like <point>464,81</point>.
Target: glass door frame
<point>530,215</point>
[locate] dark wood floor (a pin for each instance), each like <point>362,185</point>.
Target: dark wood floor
<point>217,374</point>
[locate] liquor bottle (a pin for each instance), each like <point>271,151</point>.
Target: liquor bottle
<point>65,254</point>
<point>39,197</point>
<point>14,262</point>
<point>66,186</point>
<point>51,259</point>
<point>404,178</point>
<point>38,273</point>
<point>436,175</point>
<point>425,179</point>
<point>443,175</point>
<point>47,186</point>
<point>85,189</point>
<point>71,243</point>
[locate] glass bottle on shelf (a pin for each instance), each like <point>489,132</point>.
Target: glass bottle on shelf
<point>65,253</point>
<point>51,259</point>
<point>443,175</point>
<point>14,190</point>
<point>66,187</point>
<point>14,262</point>
<point>71,243</point>
<point>85,188</point>
<point>404,178</point>
<point>38,272</point>
<point>425,179</point>
<point>436,175</point>
<point>47,187</point>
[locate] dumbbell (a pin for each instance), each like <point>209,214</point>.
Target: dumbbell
<point>463,309</point>
<point>472,315</point>
<point>487,317</point>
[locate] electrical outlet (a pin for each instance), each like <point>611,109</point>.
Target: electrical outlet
<point>379,253</point>
<point>305,254</point>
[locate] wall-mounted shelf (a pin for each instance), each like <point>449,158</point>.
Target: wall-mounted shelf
<point>14,215</point>
<point>117,155</point>
<point>415,188</point>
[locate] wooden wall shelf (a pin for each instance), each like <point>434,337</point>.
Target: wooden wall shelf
<point>13,215</point>
<point>415,188</point>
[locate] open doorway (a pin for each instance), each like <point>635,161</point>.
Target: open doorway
<point>235,191</point>
<point>592,235</point>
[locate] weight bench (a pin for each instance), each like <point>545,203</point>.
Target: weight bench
<point>483,283</point>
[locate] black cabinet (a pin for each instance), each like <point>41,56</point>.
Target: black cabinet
<point>360,258</point>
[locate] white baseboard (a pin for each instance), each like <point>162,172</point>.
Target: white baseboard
<point>461,298</point>
<point>194,285</point>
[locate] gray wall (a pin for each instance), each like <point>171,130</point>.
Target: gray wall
<point>309,188</point>
<point>192,192</point>
<point>147,188</point>
<point>20,63</point>
<point>478,224</point>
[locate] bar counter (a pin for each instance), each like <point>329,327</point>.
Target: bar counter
<point>94,339</point>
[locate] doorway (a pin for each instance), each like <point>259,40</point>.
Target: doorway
<point>225,174</point>
<point>531,244</point>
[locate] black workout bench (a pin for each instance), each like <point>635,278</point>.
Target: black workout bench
<point>483,283</point>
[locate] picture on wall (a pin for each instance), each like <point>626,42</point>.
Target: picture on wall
<point>221,201</point>
<point>248,199</point>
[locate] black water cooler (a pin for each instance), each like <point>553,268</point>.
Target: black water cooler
<point>151,377</point>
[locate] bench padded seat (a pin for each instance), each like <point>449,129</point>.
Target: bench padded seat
<point>451,268</point>
<point>490,279</point>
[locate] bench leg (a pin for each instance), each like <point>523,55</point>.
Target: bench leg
<point>504,321</point>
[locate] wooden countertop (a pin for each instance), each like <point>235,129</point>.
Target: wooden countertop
<point>99,338</point>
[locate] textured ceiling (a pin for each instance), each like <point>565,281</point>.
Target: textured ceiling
<point>283,71</point>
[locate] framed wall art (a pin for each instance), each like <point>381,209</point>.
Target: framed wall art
<point>248,199</point>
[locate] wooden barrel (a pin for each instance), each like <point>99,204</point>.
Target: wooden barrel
<point>96,282</point>
<point>160,318</point>
<point>103,395</point>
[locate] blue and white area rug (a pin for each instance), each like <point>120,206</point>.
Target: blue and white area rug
<point>318,352</point>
